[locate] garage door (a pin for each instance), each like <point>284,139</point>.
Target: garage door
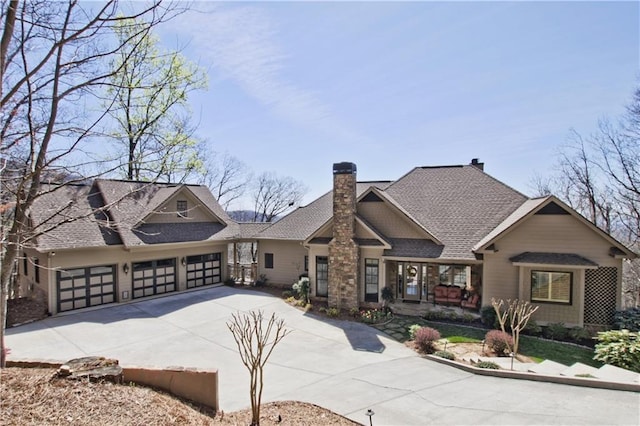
<point>154,277</point>
<point>84,287</point>
<point>203,269</point>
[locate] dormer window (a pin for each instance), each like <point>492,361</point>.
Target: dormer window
<point>182,208</point>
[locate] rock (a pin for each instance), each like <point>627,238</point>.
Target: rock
<point>94,368</point>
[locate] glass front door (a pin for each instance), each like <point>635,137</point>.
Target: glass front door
<point>412,281</point>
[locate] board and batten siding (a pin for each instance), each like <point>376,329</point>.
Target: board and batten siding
<point>545,233</point>
<point>288,261</point>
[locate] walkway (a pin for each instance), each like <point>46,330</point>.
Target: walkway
<point>347,367</point>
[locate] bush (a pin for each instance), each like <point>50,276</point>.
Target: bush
<point>387,295</point>
<point>556,331</point>
<point>579,334</point>
<point>488,365</point>
<point>413,329</point>
<point>425,339</point>
<point>230,282</point>
<point>499,342</point>
<point>372,316</point>
<point>354,312</point>
<point>629,319</point>
<point>489,317</point>
<point>620,348</point>
<point>532,328</point>
<point>286,294</point>
<point>261,281</point>
<point>291,300</point>
<point>445,355</point>
<point>333,312</point>
<point>301,288</point>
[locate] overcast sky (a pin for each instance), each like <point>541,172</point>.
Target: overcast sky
<point>295,87</point>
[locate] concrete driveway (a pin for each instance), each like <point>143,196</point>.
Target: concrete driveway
<point>344,366</point>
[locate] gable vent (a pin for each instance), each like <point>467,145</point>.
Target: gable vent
<point>552,208</point>
<point>371,197</point>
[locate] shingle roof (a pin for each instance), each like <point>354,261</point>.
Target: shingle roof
<point>458,204</point>
<point>552,259</point>
<point>68,217</point>
<point>121,209</point>
<point>416,248</point>
<point>301,223</point>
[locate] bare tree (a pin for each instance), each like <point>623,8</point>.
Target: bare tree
<point>516,314</point>
<point>226,176</point>
<point>274,195</point>
<point>55,59</point>
<point>256,341</point>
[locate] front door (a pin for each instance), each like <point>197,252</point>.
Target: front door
<point>411,281</point>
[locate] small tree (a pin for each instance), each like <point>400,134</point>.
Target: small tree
<point>256,342</point>
<point>517,314</point>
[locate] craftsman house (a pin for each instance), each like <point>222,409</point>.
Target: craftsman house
<point>438,235</point>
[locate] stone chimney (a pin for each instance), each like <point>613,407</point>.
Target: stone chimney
<point>343,250</point>
<point>475,162</point>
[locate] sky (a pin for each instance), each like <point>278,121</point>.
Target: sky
<point>297,86</point>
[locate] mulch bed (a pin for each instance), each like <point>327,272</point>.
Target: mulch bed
<point>34,396</point>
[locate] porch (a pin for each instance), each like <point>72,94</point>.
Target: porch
<point>433,311</point>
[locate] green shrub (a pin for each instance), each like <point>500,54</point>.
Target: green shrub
<point>488,365</point>
<point>286,294</point>
<point>499,342</point>
<point>322,310</point>
<point>230,282</point>
<point>620,348</point>
<point>425,339</point>
<point>261,281</point>
<point>489,317</point>
<point>354,312</point>
<point>413,329</point>
<point>387,294</point>
<point>579,334</point>
<point>445,355</point>
<point>333,312</point>
<point>467,317</point>
<point>291,300</point>
<point>532,328</point>
<point>629,319</point>
<point>556,331</point>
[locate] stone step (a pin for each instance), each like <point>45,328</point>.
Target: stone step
<point>579,369</point>
<point>617,374</point>
<point>548,367</point>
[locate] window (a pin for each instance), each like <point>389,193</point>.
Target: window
<point>36,270</point>
<point>306,263</point>
<point>553,287</point>
<point>453,275</point>
<point>182,209</point>
<point>322,276</point>
<point>268,260</point>
<point>25,266</point>
<point>371,280</point>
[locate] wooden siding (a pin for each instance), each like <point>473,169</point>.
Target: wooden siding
<point>288,261</point>
<point>544,233</point>
<point>195,210</point>
<point>389,222</point>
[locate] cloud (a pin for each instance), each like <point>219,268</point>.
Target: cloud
<point>240,43</point>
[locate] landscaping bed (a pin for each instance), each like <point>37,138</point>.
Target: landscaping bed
<point>33,396</point>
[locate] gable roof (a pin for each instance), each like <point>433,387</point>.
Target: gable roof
<point>112,212</point>
<point>531,207</point>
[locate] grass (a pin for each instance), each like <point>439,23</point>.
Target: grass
<point>537,349</point>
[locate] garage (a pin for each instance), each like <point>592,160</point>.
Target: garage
<point>154,277</point>
<point>203,269</point>
<point>84,287</point>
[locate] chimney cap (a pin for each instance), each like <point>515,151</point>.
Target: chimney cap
<point>344,168</point>
<point>476,163</point>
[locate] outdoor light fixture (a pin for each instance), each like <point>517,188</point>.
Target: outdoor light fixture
<point>183,261</point>
<point>125,268</point>
<point>370,414</point>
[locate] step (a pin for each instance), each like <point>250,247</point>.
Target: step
<point>579,369</point>
<point>616,374</point>
<point>548,367</point>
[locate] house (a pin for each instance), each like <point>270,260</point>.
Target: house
<point>450,234</point>
<point>132,240</point>
<point>452,228</point>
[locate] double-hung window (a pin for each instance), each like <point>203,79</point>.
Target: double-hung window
<point>551,286</point>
